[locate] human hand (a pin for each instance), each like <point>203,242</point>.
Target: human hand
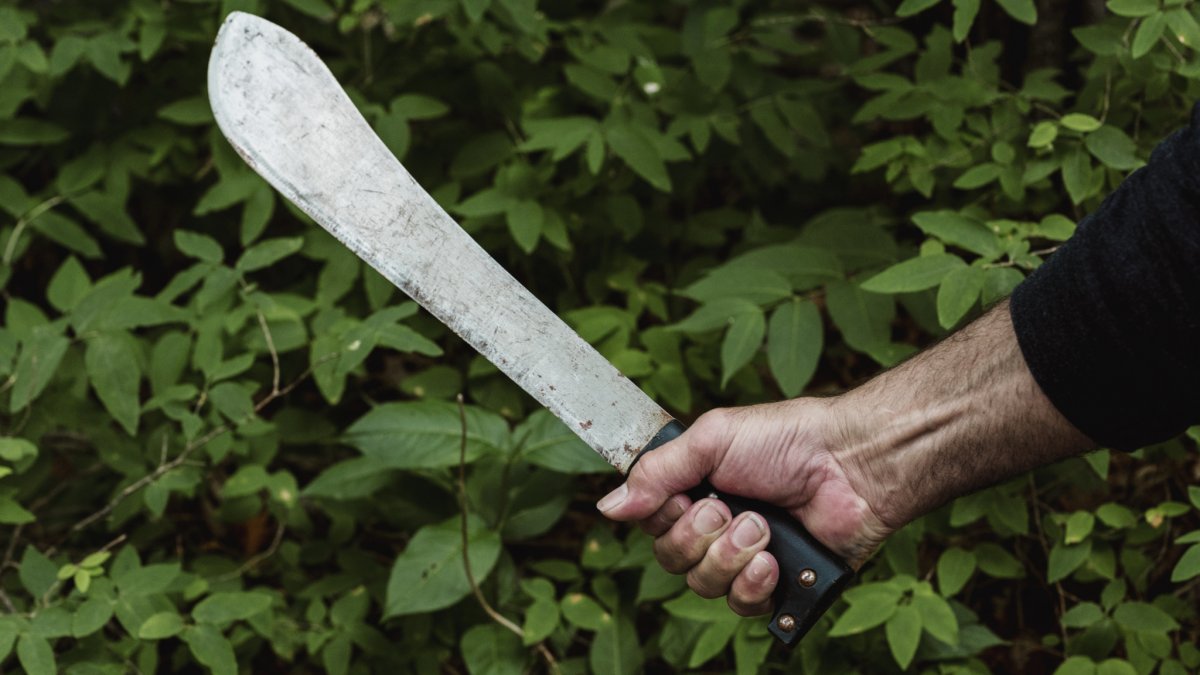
<point>781,453</point>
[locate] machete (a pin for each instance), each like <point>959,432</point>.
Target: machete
<point>288,117</point>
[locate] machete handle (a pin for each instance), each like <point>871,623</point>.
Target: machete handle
<point>811,576</point>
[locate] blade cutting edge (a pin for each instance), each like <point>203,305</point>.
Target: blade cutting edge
<point>287,116</point>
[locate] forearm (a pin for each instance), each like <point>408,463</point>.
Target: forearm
<point>962,415</point>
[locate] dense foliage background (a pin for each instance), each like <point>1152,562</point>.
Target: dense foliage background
<point>226,442</point>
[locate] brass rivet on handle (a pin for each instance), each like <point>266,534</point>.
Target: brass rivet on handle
<point>807,577</point>
<point>787,623</point>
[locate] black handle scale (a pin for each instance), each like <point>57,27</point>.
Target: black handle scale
<point>811,576</point>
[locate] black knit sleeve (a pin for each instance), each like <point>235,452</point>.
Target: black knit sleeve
<point>1110,324</point>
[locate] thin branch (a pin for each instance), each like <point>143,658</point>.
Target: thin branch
<point>182,457</point>
<point>256,559</point>
<point>1037,520</point>
<point>29,217</point>
<point>1013,263</point>
<point>266,331</point>
<point>45,599</point>
<point>551,662</point>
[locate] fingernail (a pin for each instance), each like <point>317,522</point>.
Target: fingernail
<point>613,499</point>
<point>759,568</point>
<point>709,520</point>
<point>748,532</point>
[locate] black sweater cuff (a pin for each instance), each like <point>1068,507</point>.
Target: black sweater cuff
<point>1110,324</point>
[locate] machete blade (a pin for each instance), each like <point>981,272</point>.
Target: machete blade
<point>286,115</point>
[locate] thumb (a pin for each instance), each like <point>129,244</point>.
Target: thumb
<point>659,474</point>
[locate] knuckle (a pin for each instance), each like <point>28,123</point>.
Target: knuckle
<point>671,559</point>
<point>703,586</point>
<point>716,418</point>
<point>738,606</point>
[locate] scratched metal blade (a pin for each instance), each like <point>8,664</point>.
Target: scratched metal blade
<point>291,121</point>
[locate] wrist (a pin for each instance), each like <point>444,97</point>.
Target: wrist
<point>888,450</point>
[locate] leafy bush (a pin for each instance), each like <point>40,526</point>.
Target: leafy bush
<point>225,441</point>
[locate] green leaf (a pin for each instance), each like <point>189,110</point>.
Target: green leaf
<point>754,284</point>
<point>563,135</point>
<point>1065,559</point>
<point>716,314</point>
<point>1184,26</point>
<point>958,294</point>
<point>350,479</point>
<point>41,352</point>
<point>36,655</point>
<point>1079,526</point>
<point>489,649</point>
<point>318,9</point>
<point>1113,148</point>
<point>247,480</point>
<point>712,642</point>
<point>954,568</point>
<point>541,619</point>
<point>524,220</point>
<point>1148,33</point>
<point>29,131</point>
<point>959,230</point>
<point>91,615</point>
<point>68,285</point>
<point>904,634</point>
<point>147,580</point>
<point>863,318</point>
<point>1021,10</point>
<point>795,339</point>
<point>1133,8</point>
<point>615,649</point>
<point>160,626</point>
<point>1076,665</point>
<point>965,12</point>
<point>1188,565</point>
<point>1080,122</point>
<point>227,606</point>
<point>978,176</point>
<point>997,562</point>
<point>544,440</point>
<point>268,252</point>
<point>200,246</point>
<point>115,372</point>
<point>12,513</point>
<point>915,274</point>
<point>474,9</point>
<point>192,111</point>
<point>911,7</point>
<point>937,617</point>
<point>863,616</point>
<point>336,655</point>
<point>429,574</point>
<point>211,649</point>
<point>418,107</point>
<point>232,401</point>
<point>639,153</point>
<point>425,434</point>
<point>1043,134</point>
<point>1077,175</point>
<point>36,572</point>
<point>1118,667</point>
<point>1082,615</point>
<point>15,450</point>
<point>581,610</point>
<point>741,343</point>
<point>1141,616</point>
